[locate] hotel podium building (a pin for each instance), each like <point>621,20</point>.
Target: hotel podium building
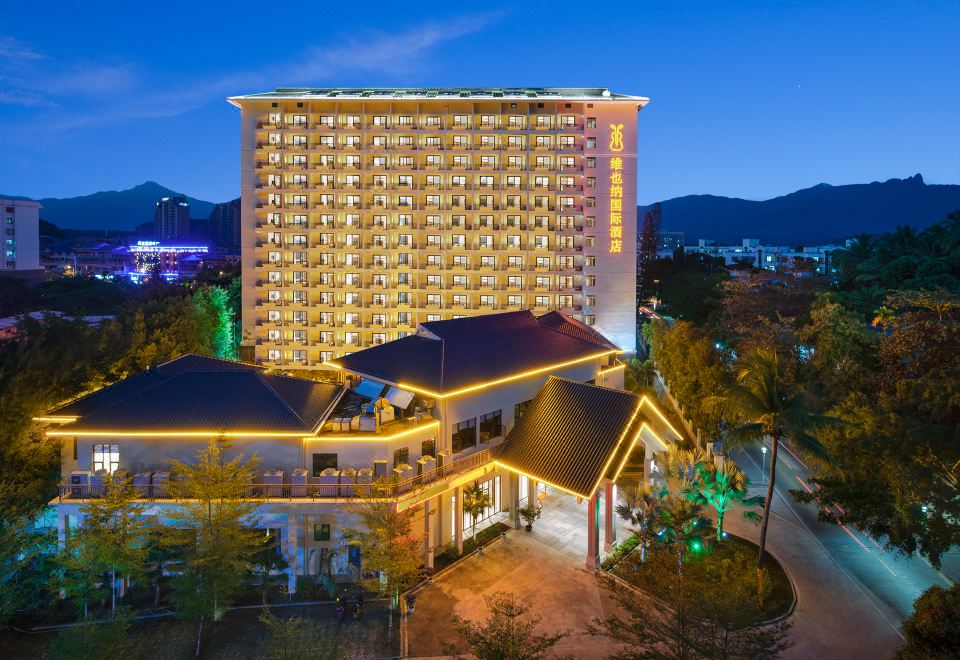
<point>366,212</point>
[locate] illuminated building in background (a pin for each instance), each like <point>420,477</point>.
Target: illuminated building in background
<point>167,261</point>
<point>171,218</point>
<point>365,212</point>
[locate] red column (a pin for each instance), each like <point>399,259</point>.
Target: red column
<point>593,532</point>
<point>609,516</point>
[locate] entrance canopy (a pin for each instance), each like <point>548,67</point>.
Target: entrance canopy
<point>574,435</point>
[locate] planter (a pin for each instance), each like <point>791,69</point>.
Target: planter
<point>529,527</point>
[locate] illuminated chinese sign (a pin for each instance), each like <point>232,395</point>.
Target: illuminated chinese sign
<point>616,190</point>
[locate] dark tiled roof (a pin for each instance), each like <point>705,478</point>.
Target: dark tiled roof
<point>571,432</point>
<point>193,393</point>
<point>574,328</point>
<point>444,356</point>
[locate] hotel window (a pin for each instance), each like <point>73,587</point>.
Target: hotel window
<point>379,120</point>
<point>460,281</point>
<point>514,262</point>
<point>379,261</point>
<point>591,221</point>
<point>298,355</point>
<point>351,338</point>
<point>488,281</point>
<point>300,141</point>
<point>404,318</point>
<point>459,300</point>
<point>541,182</point>
<point>519,409</point>
<point>323,462</point>
<point>488,161</point>
<point>460,121</point>
<point>515,281</point>
<point>591,182</point>
<point>462,161</point>
<point>488,262</point>
<point>300,317</point>
<point>273,296</point>
<point>541,202</point>
<point>433,299</point>
<point>432,317</point>
<point>352,298</point>
<point>513,182</point>
<point>591,161</point>
<point>299,277</point>
<point>488,141</point>
<point>106,457</point>
<point>352,279</point>
<point>542,142</point>
<point>589,241</point>
<point>543,262</point>
<point>486,301</point>
<point>541,222</point>
<point>488,121</point>
<point>543,121</point>
<point>491,425</point>
<point>591,122</point>
<point>464,435</point>
<point>326,141</point>
<point>351,121</point>
<point>514,301</point>
<point>514,142</point>
<point>591,280</point>
<point>405,141</point>
<point>542,282</point>
<point>299,298</point>
<point>515,162</point>
<point>591,143</point>
<point>405,120</point>
<point>274,355</point>
<point>433,241</point>
<point>380,162</point>
<point>405,240</point>
<point>379,300</point>
<point>515,121</point>
<point>591,300</point>
<point>321,531</point>
<point>351,161</point>
<point>404,220</point>
<point>590,319</point>
<point>273,316</point>
<point>513,242</point>
<point>407,161</point>
<point>433,281</point>
<point>352,259</point>
<point>568,120</point>
<point>327,120</point>
<point>432,142</point>
<point>542,301</point>
<point>379,338</point>
<point>543,162</point>
<point>565,301</point>
<point>326,318</point>
<point>404,259</point>
<point>403,298</point>
<point>434,180</point>
<point>273,276</point>
<point>433,121</point>
<point>590,202</point>
<point>461,261</point>
<point>326,356</point>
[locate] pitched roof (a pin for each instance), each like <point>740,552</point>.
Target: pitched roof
<point>444,356</point>
<point>573,435</point>
<point>445,93</point>
<point>195,393</point>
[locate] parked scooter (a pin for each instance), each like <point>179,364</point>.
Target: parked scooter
<point>341,607</point>
<point>358,606</point>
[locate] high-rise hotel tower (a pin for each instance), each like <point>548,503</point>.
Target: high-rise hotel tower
<point>368,211</point>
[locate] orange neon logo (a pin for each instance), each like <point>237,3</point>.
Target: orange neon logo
<point>616,137</point>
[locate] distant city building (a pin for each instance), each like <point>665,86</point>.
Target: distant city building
<point>768,257</point>
<point>21,236</point>
<point>86,256</point>
<point>225,225</point>
<point>168,261</point>
<point>171,218</point>
<point>670,242</point>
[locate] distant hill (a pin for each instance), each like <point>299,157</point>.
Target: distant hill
<point>114,209</point>
<point>817,215</point>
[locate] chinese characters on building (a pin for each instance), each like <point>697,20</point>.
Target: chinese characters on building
<point>616,190</point>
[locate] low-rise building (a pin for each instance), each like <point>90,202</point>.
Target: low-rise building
<point>21,238</point>
<point>512,402</point>
<point>768,257</point>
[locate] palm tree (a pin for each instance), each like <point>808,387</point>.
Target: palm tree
<point>883,318</point>
<point>768,403</point>
<point>679,514</point>
<point>640,509</point>
<point>475,501</point>
<point>723,488</point>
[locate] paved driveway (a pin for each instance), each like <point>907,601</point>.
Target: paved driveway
<point>550,579</point>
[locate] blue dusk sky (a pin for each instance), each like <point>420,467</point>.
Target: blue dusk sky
<point>748,98</point>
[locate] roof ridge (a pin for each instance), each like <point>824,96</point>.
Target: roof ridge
<point>279,398</point>
<point>639,397</point>
<point>211,357</point>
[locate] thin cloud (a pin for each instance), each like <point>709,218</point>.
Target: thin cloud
<point>12,49</point>
<point>394,55</point>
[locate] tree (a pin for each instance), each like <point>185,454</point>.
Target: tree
<point>116,532</point>
<point>389,546</point>
<point>679,514</point>
<point>713,614</point>
<point>475,502</point>
<point>507,633</point>
<point>639,375</point>
<point>292,638</point>
<point>769,405</point>
<point>724,488</point>
<point>933,629</point>
<point>212,529</point>
<point>23,567</point>
<point>641,509</point>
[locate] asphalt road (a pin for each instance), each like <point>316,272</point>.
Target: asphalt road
<point>882,576</point>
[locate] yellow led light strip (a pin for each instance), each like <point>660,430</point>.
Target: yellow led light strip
<point>507,379</point>
<point>623,434</point>
<point>63,419</point>
<point>614,368</point>
<point>541,480</point>
<point>176,434</point>
<point>662,417</point>
<point>368,438</point>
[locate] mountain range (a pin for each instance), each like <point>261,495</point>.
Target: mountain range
<point>812,216</point>
<point>816,215</point>
<point>112,209</point>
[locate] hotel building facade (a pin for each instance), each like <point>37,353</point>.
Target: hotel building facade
<point>366,212</point>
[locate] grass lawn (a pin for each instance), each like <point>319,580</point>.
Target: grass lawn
<point>733,557</point>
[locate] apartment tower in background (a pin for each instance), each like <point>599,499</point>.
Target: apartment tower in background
<point>365,212</point>
<point>21,236</point>
<point>171,218</point>
<point>225,225</point>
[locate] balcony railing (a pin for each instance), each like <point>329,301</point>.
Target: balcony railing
<point>381,487</point>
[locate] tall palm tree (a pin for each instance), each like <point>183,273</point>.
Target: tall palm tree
<point>640,508</point>
<point>767,403</point>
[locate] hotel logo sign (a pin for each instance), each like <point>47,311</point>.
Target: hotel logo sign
<point>616,137</point>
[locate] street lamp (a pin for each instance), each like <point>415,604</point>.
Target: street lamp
<point>763,470</point>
